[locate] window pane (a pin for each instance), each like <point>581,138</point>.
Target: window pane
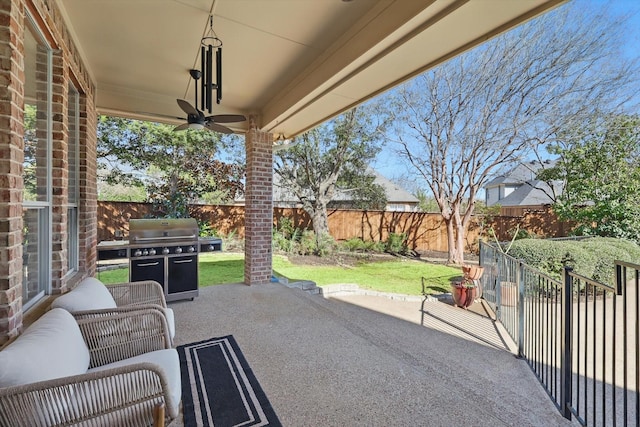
<point>36,253</point>
<point>73,145</point>
<point>72,237</point>
<point>73,186</point>
<point>32,254</point>
<point>37,60</point>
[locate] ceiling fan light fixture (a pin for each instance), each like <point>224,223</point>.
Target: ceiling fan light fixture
<point>196,126</point>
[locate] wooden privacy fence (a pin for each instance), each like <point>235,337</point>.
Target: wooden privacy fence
<point>424,231</point>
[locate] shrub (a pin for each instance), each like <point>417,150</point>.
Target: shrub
<point>354,244</point>
<point>578,257</point>
<point>396,244</point>
<point>307,244</point>
<point>231,243</point>
<point>286,228</point>
<point>325,245</point>
<point>206,229</point>
<point>593,258</point>
<point>536,253</point>
<point>605,252</point>
<point>283,243</point>
<point>377,247</point>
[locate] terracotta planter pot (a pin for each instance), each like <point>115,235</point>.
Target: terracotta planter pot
<point>463,296</point>
<point>473,272</point>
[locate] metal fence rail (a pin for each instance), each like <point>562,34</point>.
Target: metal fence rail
<point>580,337</point>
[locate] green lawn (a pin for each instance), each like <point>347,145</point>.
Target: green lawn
<point>399,276</point>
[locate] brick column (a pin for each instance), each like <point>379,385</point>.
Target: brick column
<point>88,201</point>
<point>59,171</point>
<point>258,206</point>
<point>11,159</point>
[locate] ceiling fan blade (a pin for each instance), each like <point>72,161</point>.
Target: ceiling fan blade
<point>187,108</point>
<point>181,127</point>
<point>217,128</point>
<point>227,118</point>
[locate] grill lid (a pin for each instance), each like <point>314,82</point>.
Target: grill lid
<point>163,229</point>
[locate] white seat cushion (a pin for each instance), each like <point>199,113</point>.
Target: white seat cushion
<point>90,294</point>
<point>171,323</point>
<point>52,347</point>
<point>167,360</point>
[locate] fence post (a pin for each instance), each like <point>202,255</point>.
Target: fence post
<point>618,279</point>
<point>500,263</point>
<point>520,284</point>
<point>566,358</point>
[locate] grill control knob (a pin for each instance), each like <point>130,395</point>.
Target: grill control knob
<point>152,251</point>
<point>178,250</point>
<point>138,252</point>
<point>145,252</point>
<point>165,251</point>
<point>191,249</point>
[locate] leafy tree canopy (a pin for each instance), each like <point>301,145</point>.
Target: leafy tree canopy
<point>599,164</point>
<point>334,156</point>
<point>179,167</point>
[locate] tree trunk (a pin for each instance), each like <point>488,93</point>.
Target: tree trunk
<point>455,241</point>
<point>460,233</point>
<point>450,240</point>
<point>320,220</point>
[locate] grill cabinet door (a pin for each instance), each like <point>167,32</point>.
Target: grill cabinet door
<point>183,274</point>
<point>147,269</point>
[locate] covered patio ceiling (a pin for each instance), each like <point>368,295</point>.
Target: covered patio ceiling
<point>291,63</point>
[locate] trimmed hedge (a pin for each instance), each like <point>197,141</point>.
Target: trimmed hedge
<point>593,257</point>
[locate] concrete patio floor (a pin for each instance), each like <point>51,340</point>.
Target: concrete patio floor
<point>362,360</point>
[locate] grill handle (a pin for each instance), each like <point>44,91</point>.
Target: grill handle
<point>141,239</point>
<point>183,261</point>
<point>148,264</point>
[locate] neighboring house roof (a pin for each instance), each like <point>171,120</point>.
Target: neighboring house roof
<point>520,174</point>
<point>532,193</point>
<point>527,190</point>
<point>394,193</point>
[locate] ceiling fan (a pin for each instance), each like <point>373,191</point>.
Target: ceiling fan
<point>196,118</point>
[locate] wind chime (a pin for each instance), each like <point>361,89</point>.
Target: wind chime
<point>210,43</point>
<point>195,117</point>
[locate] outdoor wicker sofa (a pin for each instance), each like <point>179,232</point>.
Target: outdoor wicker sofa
<point>92,298</point>
<point>116,370</point>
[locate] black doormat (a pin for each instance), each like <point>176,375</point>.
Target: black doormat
<point>219,388</point>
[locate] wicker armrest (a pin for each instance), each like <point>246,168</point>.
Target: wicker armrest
<point>138,293</point>
<point>127,395</point>
<point>116,336</point>
<point>106,312</point>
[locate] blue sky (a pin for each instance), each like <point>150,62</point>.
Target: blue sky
<point>390,167</point>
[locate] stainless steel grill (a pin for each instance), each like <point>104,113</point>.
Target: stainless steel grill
<point>164,250</point>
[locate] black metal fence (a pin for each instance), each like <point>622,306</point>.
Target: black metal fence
<point>579,336</point>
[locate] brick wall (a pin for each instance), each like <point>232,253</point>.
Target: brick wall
<point>66,67</point>
<point>59,171</point>
<point>88,201</point>
<point>11,158</point>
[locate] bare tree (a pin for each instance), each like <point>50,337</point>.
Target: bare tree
<point>461,122</point>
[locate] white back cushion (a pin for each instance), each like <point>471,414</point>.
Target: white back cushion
<point>90,294</point>
<point>52,347</point>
